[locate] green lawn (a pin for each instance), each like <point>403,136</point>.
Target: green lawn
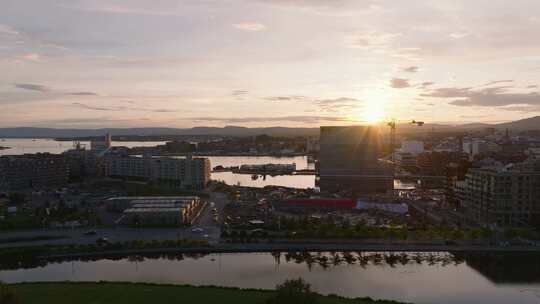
<point>133,293</point>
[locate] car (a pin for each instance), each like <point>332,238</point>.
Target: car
<point>102,241</point>
<point>90,232</point>
<point>197,230</point>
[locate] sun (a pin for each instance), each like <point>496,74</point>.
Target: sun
<point>373,111</point>
<point>373,114</point>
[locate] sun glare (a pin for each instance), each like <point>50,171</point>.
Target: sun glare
<point>373,112</point>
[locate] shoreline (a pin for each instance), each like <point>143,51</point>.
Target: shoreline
<point>299,247</point>
<point>60,292</point>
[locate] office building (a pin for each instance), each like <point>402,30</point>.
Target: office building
<point>33,171</point>
<point>101,145</point>
<point>186,173</point>
<point>349,161</point>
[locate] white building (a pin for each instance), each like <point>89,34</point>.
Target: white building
<point>412,146</point>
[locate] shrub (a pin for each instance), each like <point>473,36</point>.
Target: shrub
<point>293,292</point>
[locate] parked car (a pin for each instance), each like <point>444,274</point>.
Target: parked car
<point>102,241</point>
<point>197,230</point>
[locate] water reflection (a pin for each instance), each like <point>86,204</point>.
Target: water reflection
<point>20,146</point>
<point>414,277</point>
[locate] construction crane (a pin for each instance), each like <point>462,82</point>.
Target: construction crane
<point>392,123</point>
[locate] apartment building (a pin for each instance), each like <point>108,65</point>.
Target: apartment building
<point>502,196</point>
<point>187,173</point>
<point>33,171</point>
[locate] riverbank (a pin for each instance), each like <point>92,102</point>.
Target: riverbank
<point>291,247</point>
<point>134,293</point>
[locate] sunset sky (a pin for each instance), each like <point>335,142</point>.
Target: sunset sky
<point>171,63</point>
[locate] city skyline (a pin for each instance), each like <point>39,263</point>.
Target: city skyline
<point>295,63</point>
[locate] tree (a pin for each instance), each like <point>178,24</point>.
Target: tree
<point>293,292</point>
<point>7,295</point>
<point>16,198</point>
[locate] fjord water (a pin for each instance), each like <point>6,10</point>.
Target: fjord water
<point>26,145</point>
<point>438,278</point>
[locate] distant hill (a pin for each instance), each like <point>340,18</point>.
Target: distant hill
<point>532,123</point>
<point>30,132</point>
<point>526,124</point>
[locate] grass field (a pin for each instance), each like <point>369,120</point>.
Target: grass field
<point>134,293</point>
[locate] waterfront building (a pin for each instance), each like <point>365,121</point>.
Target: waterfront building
<point>505,196</point>
<point>101,145</point>
<point>349,161</point>
<point>186,173</point>
<point>33,171</point>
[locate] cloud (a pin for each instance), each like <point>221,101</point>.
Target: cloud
<point>150,8</point>
<point>32,87</point>
<point>250,26</point>
<point>497,82</point>
<point>425,85</point>
<point>239,93</point>
<point>286,98</point>
<point>487,97</point>
<point>94,122</point>
<point>120,108</point>
<point>326,7</point>
<point>83,94</point>
<point>373,40</point>
<point>339,104</point>
<point>459,35</point>
<point>30,57</point>
<point>7,30</point>
<point>84,106</point>
<point>325,105</point>
<point>399,83</point>
<point>294,119</point>
<point>411,69</point>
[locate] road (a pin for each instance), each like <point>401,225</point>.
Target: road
<point>206,217</point>
<point>211,231</point>
<point>76,236</point>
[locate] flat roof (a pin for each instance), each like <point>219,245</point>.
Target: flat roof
<point>153,198</point>
<point>155,202</point>
<point>153,210</point>
<point>140,206</point>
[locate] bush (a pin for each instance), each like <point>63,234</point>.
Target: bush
<point>293,292</point>
<point>7,295</point>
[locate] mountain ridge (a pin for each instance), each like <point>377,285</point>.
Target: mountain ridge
<point>531,123</point>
